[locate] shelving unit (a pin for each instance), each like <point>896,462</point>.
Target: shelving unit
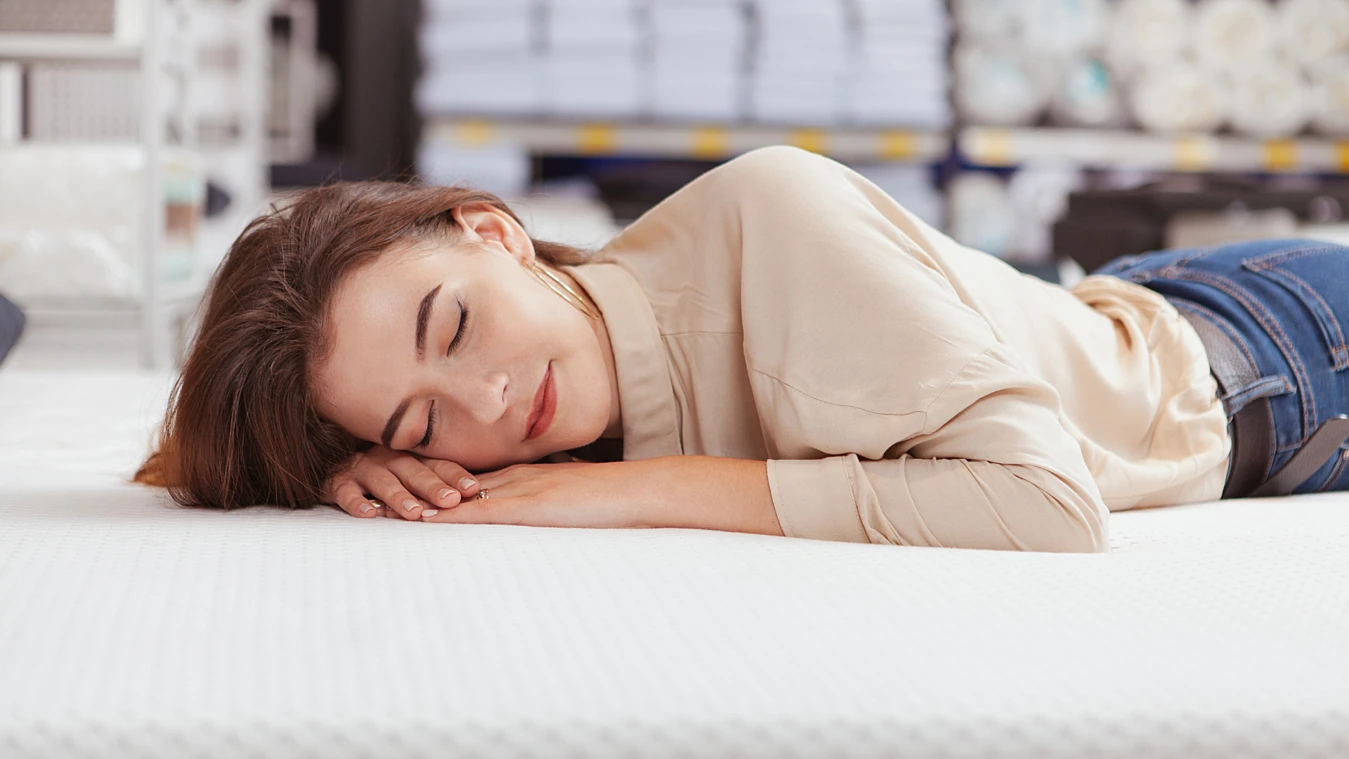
<point>141,36</point>
<point>708,142</point>
<point>30,48</point>
<point>997,147</point>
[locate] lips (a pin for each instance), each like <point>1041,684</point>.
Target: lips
<point>544,406</point>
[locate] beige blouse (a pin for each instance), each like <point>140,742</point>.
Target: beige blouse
<point>903,388</point>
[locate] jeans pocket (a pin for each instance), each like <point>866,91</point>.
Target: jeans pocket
<point>1294,270</point>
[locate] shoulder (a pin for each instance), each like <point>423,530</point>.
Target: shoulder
<point>772,170</point>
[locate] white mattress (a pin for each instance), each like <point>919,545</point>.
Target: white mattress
<point>130,628</point>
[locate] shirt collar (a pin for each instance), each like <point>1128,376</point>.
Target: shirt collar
<point>650,414</point>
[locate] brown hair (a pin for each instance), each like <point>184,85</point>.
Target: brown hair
<point>241,427</point>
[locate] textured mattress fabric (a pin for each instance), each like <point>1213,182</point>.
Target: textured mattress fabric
<point>131,628</point>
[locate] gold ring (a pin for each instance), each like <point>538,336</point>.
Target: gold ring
<point>482,494</point>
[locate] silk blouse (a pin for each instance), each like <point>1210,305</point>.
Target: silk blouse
<point>902,388</point>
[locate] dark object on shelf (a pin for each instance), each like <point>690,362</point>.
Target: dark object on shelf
<point>217,199</point>
<point>11,326</point>
<point>1103,224</point>
<point>371,130</point>
<point>632,187</point>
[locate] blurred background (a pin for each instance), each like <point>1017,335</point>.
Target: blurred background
<point>138,137</point>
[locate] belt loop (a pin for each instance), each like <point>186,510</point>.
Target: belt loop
<point>1245,398</point>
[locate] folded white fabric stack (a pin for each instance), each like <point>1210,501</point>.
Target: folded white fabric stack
<point>595,65</point>
<point>698,65</point>
<point>801,61</point>
<point>480,56</point>
<point>901,72</point>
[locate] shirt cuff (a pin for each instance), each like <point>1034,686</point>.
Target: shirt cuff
<point>814,499</point>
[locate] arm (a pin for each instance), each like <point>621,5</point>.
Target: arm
<point>700,492</point>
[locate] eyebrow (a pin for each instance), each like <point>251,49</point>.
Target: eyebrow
<point>423,316</point>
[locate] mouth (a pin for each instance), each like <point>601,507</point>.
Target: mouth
<point>544,406</point>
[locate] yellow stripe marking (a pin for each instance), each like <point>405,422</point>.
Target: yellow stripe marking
<point>1191,154</point>
<point>709,142</point>
<point>1281,155</point>
<point>814,140</point>
<point>993,148</point>
<point>474,133</point>
<point>596,139</point>
<point>898,146</point>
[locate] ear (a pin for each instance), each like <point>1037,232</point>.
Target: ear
<point>495,229</point>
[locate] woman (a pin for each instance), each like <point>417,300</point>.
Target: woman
<point>777,348</point>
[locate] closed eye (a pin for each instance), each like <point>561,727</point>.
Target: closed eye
<point>454,345</point>
<point>463,325</point>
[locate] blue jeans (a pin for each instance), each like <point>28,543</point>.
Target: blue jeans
<point>1285,302</point>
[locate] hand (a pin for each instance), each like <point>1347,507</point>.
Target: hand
<point>402,485</point>
<point>623,494</point>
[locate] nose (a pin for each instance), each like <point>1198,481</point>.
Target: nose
<point>481,395</point>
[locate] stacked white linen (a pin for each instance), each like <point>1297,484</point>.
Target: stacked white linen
<point>698,59</point>
<point>593,66</point>
<point>801,61</point>
<point>901,72</point>
<point>480,56</point>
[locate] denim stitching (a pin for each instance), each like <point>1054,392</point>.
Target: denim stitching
<point>1270,259</point>
<point>1194,256</point>
<point>1327,322</point>
<point>1236,338</point>
<point>1327,325</point>
<point>1272,328</point>
<point>1258,390</point>
<point>1221,324</point>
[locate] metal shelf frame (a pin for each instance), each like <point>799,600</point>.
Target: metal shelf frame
<point>699,141</point>
<point>1095,148</point>
<point>140,37</point>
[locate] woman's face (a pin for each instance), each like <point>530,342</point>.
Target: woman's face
<point>471,376</point>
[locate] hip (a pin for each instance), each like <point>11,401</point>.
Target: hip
<point>1283,305</point>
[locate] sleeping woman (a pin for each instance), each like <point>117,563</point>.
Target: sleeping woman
<point>777,348</point>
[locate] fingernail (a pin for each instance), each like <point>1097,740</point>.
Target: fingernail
<point>366,508</point>
<point>410,505</point>
<point>445,494</point>
<point>430,513</point>
<point>466,483</point>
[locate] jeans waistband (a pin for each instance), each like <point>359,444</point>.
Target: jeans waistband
<point>1251,427</point>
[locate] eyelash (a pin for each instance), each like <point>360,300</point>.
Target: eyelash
<point>431,415</point>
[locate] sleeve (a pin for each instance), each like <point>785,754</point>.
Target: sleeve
<point>893,412</point>
<point>993,468</point>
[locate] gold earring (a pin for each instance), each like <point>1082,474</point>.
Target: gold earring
<point>553,282</point>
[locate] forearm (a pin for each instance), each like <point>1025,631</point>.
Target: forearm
<point>713,493</point>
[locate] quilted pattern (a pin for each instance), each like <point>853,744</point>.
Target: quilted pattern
<point>130,628</point>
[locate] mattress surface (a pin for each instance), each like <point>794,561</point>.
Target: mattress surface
<point>130,627</point>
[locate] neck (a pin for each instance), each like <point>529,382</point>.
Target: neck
<point>614,428</point>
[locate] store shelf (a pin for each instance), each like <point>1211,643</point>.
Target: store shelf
<point>987,146</point>
<point>66,47</point>
<point>708,142</point>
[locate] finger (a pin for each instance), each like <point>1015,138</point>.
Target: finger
<point>460,478</point>
<point>351,499</point>
<point>386,486</point>
<point>382,510</point>
<point>423,482</point>
<point>473,511</point>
